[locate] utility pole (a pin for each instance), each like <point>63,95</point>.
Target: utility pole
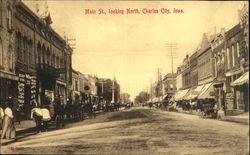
<point>172,47</point>
<point>113,91</point>
<point>151,91</point>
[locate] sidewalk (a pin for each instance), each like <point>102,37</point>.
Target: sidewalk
<point>242,118</point>
<point>24,125</point>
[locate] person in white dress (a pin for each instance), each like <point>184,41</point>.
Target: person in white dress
<point>8,131</point>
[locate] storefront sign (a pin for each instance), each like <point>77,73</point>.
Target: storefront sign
<point>229,101</point>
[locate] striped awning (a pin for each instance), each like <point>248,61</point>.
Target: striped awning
<point>180,94</point>
<point>205,93</point>
<point>241,80</point>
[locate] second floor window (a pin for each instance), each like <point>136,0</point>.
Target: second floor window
<point>9,19</point>
<point>233,56</point>
<point>228,59</point>
<point>238,49</point>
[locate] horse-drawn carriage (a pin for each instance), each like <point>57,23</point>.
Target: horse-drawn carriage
<point>209,111</point>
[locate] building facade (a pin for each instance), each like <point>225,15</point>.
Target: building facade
<point>205,61</point>
<point>169,83</point>
<point>186,73</point>
<point>8,78</point>
<point>236,98</point>
<point>218,54</point>
<point>193,70</point>
<point>41,57</point>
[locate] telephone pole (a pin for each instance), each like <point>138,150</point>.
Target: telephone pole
<point>172,47</point>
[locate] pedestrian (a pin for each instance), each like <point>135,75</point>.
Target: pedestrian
<point>1,117</point>
<point>59,113</point>
<point>8,131</point>
<point>36,115</point>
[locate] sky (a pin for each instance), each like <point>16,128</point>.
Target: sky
<point>132,46</point>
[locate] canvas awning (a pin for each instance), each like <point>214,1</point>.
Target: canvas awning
<point>180,94</point>
<point>198,89</point>
<point>191,96</point>
<point>165,97</point>
<point>205,93</point>
<point>241,80</point>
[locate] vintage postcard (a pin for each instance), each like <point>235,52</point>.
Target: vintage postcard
<point>124,77</point>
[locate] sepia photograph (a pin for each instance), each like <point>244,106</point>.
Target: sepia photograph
<point>124,77</point>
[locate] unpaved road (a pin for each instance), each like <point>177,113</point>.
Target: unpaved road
<point>139,131</point>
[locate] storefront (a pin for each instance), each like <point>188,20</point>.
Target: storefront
<point>27,89</point>
<point>241,86</point>
<point>60,90</point>
<point>8,86</point>
<point>180,94</point>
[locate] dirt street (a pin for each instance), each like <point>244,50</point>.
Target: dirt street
<point>139,131</point>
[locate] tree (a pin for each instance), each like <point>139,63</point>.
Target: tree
<point>107,85</point>
<point>142,97</point>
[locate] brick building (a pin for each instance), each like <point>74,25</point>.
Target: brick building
<point>169,84</point>
<point>42,58</point>
<point>8,78</point>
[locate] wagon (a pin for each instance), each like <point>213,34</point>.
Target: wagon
<point>209,111</point>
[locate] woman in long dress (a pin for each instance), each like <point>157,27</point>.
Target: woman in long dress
<point>1,117</point>
<point>8,131</point>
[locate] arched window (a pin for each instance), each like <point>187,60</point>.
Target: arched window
<point>54,60</point>
<point>1,53</point>
<point>24,56</point>
<point>58,62</point>
<point>215,65</point>
<point>31,54</point>
<point>43,54</point>
<point>9,18</point>
<point>39,54</point>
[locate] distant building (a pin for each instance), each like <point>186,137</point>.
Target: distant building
<point>193,70</point>
<point>205,61</point>
<point>186,73</point>
<point>169,83</point>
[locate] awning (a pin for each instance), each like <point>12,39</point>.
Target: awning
<point>241,80</point>
<point>191,96</point>
<point>205,93</point>
<point>180,94</point>
<point>9,76</point>
<point>198,89</point>
<point>233,72</point>
<point>165,96</point>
